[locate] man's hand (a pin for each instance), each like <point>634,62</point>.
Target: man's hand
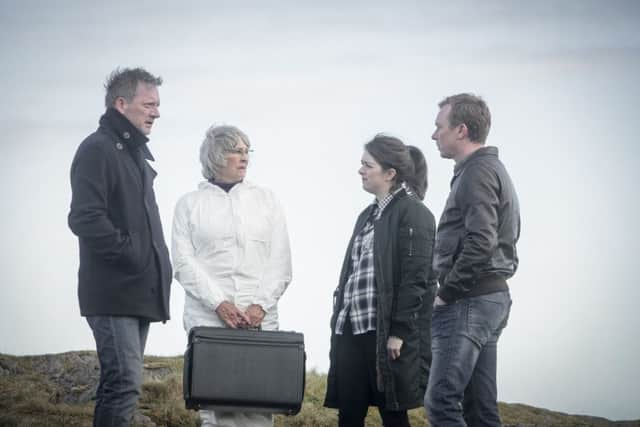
<point>232,316</point>
<point>438,301</point>
<point>255,313</point>
<point>394,344</point>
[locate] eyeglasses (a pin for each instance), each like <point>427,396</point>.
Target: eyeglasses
<point>239,151</point>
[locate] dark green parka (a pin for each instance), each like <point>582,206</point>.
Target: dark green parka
<point>402,250</point>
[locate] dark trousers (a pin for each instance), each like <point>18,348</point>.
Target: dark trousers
<point>356,375</point>
<point>120,344</point>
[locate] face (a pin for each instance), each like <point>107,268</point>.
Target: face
<point>237,162</point>
<point>447,139</point>
<point>375,179</point>
<point>143,108</point>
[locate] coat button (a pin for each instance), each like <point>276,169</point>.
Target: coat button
<point>126,135</point>
<point>119,145</point>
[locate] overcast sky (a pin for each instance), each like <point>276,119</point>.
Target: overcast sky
<point>310,83</point>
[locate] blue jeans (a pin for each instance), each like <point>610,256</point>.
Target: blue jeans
<point>120,344</point>
<point>462,387</point>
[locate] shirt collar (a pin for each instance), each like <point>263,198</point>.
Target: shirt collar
<point>381,204</point>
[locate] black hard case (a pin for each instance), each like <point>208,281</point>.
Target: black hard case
<point>244,370</point>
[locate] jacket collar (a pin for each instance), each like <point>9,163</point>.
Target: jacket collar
<point>399,194</point>
<point>242,185</point>
<point>116,122</point>
<point>382,204</point>
<point>480,152</point>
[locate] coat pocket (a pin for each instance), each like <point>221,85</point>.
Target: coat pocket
<point>444,255</point>
<point>135,256</point>
<point>257,255</point>
<point>446,245</point>
<point>406,370</point>
<point>415,241</point>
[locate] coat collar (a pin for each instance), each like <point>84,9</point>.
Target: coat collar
<point>127,133</point>
<point>364,216</point>
<point>398,194</point>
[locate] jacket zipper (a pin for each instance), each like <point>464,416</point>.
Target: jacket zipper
<point>410,241</point>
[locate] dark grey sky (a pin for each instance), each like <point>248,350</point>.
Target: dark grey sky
<point>310,82</point>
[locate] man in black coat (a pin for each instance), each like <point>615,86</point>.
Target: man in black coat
<point>125,273</point>
<point>474,256</point>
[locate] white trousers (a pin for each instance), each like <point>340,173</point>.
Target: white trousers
<point>235,419</point>
<point>230,419</point>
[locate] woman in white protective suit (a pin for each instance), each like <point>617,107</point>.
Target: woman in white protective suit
<point>230,250</point>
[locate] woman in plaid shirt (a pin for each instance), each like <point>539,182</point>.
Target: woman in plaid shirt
<point>380,328</point>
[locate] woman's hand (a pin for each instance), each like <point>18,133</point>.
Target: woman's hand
<point>438,301</point>
<point>394,344</point>
<point>255,313</point>
<point>232,316</point>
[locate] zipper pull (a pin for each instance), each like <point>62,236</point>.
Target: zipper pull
<point>410,241</point>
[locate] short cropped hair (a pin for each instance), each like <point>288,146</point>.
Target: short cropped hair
<point>217,140</point>
<point>123,82</point>
<point>472,111</point>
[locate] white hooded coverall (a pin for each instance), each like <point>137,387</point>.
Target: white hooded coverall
<point>230,247</point>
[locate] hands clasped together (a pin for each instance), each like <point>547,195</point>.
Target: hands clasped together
<point>236,318</point>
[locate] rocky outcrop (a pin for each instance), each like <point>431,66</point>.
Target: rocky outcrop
<point>71,378</point>
<point>75,374</point>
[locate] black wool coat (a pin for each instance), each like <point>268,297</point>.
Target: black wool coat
<point>124,261</point>
<point>403,247</point>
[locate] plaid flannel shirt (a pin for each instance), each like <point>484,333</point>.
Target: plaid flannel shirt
<point>360,295</point>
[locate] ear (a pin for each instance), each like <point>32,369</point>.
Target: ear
<point>463,131</point>
<point>120,104</point>
<point>390,174</point>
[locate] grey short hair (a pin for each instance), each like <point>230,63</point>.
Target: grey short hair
<point>124,83</point>
<point>217,140</point>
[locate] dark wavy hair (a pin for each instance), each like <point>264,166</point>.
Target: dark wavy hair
<point>407,160</point>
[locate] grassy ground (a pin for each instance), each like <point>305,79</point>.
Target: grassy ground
<point>30,399</point>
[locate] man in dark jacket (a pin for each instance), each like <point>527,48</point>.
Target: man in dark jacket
<point>125,273</point>
<point>474,255</point>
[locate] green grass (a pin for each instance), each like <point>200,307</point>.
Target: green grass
<point>28,398</point>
